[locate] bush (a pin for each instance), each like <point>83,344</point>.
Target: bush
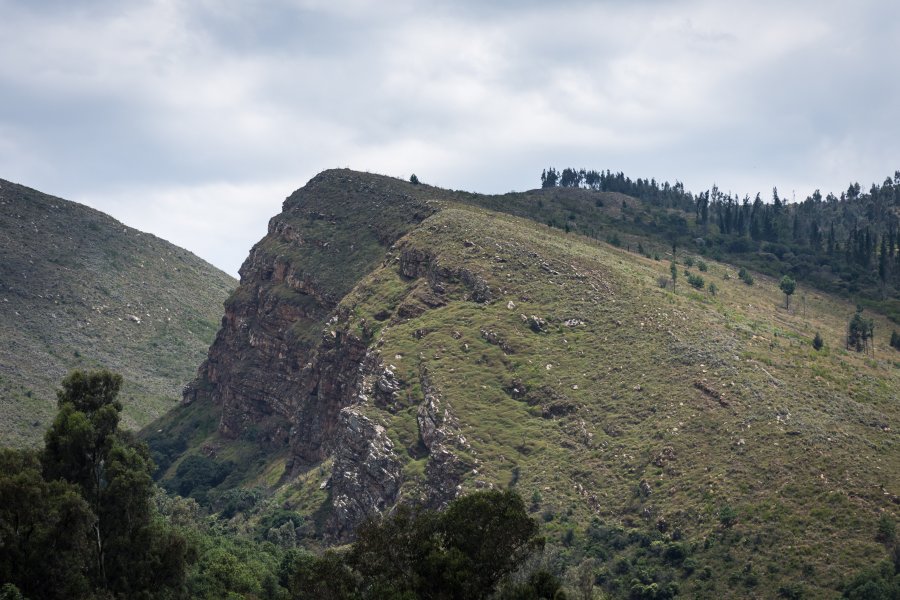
<point>880,581</point>
<point>198,474</point>
<point>696,281</point>
<point>887,530</point>
<point>713,289</point>
<point>727,516</point>
<point>702,265</point>
<point>745,276</point>
<point>791,591</point>
<point>413,179</point>
<point>817,342</point>
<point>688,261</point>
<point>895,340</point>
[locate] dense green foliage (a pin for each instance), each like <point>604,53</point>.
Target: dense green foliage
<point>79,516</point>
<point>460,553</point>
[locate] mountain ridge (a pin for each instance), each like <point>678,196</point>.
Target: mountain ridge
<point>79,289</point>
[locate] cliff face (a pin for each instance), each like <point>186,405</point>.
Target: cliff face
<point>277,373</point>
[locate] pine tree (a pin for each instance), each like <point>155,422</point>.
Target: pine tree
<point>818,343</point>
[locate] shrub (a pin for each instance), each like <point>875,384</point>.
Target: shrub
<point>702,265</point>
<point>413,179</point>
<point>198,473</point>
<point>887,530</point>
<point>688,261</point>
<point>817,342</point>
<point>696,281</point>
<point>727,516</point>
<point>713,289</point>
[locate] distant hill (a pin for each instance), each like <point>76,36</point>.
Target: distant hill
<point>396,343</point>
<point>80,289</point>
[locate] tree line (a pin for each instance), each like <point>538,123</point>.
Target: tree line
<point>847,243</point>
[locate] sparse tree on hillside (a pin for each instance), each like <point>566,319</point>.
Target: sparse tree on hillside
<point>860,331</point>
<point>413,179</point>
<point>818,342</point>
<point>673,269</point>
<point>787,285</point>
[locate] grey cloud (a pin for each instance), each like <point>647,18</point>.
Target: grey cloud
<point>175,103</point>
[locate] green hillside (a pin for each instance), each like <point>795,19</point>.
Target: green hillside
<point>80,290</point>
<point>666,439</point>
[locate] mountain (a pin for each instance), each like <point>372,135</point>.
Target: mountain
<point>78,289</point>
<point>396,343</point>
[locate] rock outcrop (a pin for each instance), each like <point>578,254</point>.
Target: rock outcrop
<point>279,375</point>
<point>366,476</point>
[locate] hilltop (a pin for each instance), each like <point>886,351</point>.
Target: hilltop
<point>397,343</point>
<point>78,289</point>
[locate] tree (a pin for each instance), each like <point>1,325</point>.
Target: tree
<point>84,447</point>
<point>860,331</point>
<point>673,269</point>
<point>695,281</point>
<point>413,179</point>
<point>463,552</point>
<point>494,533</point>
<point>787,285</point>
<point>44,530</point>
<point>549,178</point>
<point>818,343</point>
<point>327,577</point>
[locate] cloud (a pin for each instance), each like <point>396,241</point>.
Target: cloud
<point>144,106</point>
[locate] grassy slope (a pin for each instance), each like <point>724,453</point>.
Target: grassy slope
<point>71,278</point>
<point>800,444</point>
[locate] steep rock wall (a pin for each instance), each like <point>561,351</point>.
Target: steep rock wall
<point>275,371</point>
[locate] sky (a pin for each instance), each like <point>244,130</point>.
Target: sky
<point>193,120</point>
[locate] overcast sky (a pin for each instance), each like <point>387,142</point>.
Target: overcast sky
<point>194,120</point>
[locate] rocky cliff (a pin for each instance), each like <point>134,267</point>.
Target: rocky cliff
<point>276,372</point>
